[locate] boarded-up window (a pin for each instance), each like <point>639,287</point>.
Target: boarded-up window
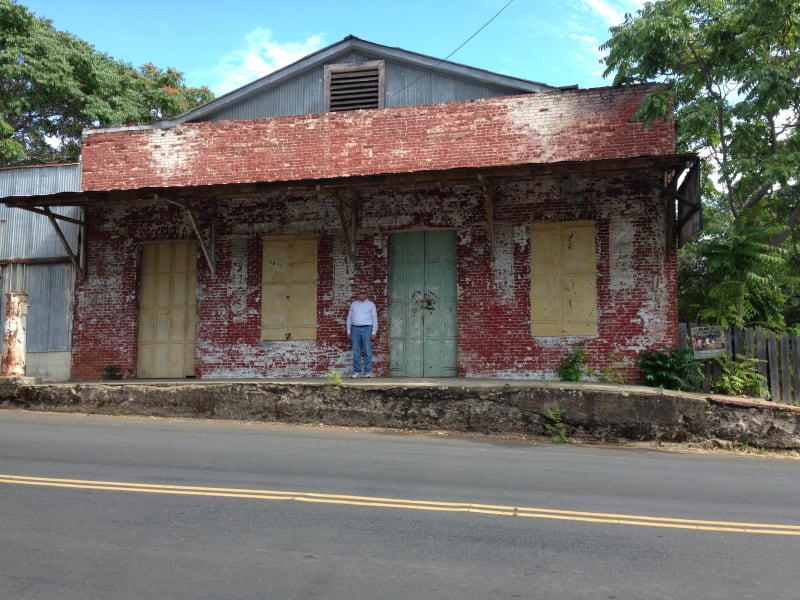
<point>354,86</point>
<point>563,279</point>
<point>289,288</point>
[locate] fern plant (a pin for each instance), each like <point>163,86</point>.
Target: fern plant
<point>556,427</point>
<point>740,376</point>
<point>671,368</point>
<point>746,271</point>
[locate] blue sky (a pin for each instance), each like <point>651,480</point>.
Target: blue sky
<point>227,44</point>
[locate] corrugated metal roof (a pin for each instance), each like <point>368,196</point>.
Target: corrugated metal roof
<point>229,104</point>
<point>40,180</point>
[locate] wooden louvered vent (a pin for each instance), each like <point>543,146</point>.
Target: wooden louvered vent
<point>354,86</point>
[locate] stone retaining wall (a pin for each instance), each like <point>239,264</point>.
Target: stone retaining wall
<point>590,412</point>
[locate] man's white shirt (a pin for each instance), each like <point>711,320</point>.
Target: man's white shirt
<point>362,313</point>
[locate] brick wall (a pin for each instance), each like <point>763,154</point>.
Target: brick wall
<point>636,276</point>
<point>569,125</point>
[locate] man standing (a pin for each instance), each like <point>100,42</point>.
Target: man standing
<point>362,327</point>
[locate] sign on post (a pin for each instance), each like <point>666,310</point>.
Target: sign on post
<point>708,341</point>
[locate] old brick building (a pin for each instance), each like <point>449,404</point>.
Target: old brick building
<point>497,222</point>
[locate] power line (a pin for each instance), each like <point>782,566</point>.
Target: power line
<point>464,43</point>
<point>469,39</point>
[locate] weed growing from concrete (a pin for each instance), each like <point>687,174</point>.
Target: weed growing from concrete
<point>110,372</point>
<point>613,372</point>
<point>746,448</point>
<point>574,364</point>
<point>334,377</point>
<point>556,427</point>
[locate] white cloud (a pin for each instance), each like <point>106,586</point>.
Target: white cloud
<point>586,48</point>
<point>613,11</point>
<point>260,56</point>
<point>604,9</point>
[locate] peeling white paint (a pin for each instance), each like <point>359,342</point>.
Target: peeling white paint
<point>168,152</point>
<point>622,263</point>
<point>237,287</point>
<point>503,261</point>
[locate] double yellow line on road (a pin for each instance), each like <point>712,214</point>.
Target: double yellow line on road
<point>406,504</point>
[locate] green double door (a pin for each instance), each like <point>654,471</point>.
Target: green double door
<point>422,304</point>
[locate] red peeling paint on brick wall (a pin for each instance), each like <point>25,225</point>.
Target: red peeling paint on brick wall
<point>568,125</point>
<point>635,277</point>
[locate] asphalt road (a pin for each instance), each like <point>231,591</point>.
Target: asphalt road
<point>129,508</point>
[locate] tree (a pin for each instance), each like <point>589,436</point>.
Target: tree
<point>53,85</point>
<point>730,70</point>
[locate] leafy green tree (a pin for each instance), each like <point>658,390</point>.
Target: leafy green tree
<point>53,85</point>
<point>730,71</point>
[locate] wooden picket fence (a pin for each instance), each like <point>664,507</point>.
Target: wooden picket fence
<point>778,359</point>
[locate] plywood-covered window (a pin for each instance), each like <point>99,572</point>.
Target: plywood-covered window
<point>563,279</point>
<point>289,288</point>
<point>354,86</point>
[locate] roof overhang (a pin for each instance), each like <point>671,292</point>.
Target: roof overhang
<point>672,175</point>
<point>673,163</point>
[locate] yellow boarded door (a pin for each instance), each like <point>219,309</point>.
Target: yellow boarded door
<point>563,279</point>
<point>289,288</point>
<point>167,312</point>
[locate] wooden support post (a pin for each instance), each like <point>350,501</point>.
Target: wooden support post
<point>76,260</point>
<point>209,250</point>
<point>348,215</point>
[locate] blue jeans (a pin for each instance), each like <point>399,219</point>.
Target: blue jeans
<point>362,342</point>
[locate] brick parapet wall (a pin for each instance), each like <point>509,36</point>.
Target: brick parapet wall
<point>551,127</point>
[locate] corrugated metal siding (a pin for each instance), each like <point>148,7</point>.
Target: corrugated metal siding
<point>301,95</point>
<point>405,85</point>
<point>410,86</point>
<point>50,287</point>
<point>31,235</point>
<point>38,181</point>
<point>50,290</point>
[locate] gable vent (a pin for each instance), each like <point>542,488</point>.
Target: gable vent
<point>354,86</point>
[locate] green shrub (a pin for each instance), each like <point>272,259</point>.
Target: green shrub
<point>671,368</point>
<point>573,365</point>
